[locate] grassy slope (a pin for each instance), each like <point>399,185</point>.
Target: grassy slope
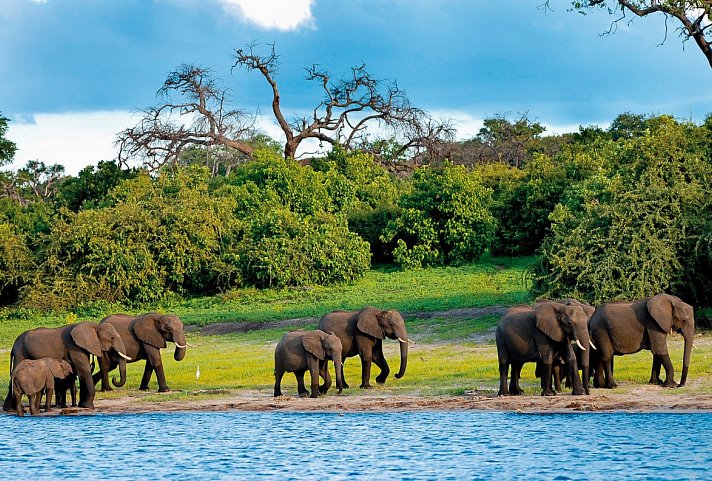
<point>451,357</point>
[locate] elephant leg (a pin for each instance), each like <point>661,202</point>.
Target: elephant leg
<point>48,399</point>
<point>503,368</point>
<point>343,375</point>
<point>324,372</point>
<point>10,403</point>
<point>366,359</point>
<point>278,374</point>
<point>546,389</point>
<point>147,371</point>
<point>514,388</point>
<point>556,372</point>
<point>106,365</point>
<point>34,403</point>
<point>301,389</point>
<point>669,370</point>
<point>153,356</point>
<point>314,370</point>
<point>73,390</point>
<point>18,403</point>
<point>608,374</point>
<point>655,371</point>
<point>86,389</point>
<point>380,361</point>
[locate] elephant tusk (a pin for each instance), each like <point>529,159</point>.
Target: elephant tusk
<point>401,340</point>
<point>408,340</point>
<point>578,343</point>
<point>592,345</point>
<point>181,346</point>
<point>189,344</point>
<point>124,356</point>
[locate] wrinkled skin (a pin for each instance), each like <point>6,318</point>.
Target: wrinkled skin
<point>619,328</point>
<point>362,333</point>
<point>61,386</point>
<point>31,377</point>
<point>540,334</point>
<point>74,343</point>
<point>560,368</point>
<point>302,351</point>
<point>144,336</point>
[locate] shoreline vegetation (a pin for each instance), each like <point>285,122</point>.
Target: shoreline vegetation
<point>453,366</point>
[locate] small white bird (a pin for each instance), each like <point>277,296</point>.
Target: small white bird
<point>197,373</point>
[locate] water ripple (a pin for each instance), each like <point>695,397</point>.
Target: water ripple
<point>395,446</point>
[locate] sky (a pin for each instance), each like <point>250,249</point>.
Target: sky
<point>74,73</point>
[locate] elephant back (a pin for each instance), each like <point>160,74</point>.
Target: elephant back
<point>343,324</point>
<point>43,342</point>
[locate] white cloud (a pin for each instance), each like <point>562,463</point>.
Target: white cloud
<point>272,14</point>
<point>74,139</point>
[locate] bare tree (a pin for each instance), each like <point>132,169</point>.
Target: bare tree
<point>35,181</point>
<point>693,16</point>
<point>348,107</point>
<point>190,93</point>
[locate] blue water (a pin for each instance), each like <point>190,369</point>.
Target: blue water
<point>354,446</point>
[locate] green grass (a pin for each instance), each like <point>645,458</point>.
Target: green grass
<point>452,356</point>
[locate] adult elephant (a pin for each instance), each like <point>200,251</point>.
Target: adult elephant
<point>144,336</point>
<point>75,343</point>
<point>540,334</point>
<point>620,328</point>
<point>362,332</point>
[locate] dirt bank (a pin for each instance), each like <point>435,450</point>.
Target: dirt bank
<point>639,399</point>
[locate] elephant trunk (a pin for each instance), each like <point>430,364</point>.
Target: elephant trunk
<point>403,340</point>
<point>339,369</point>
<point>122,373</point>
<point>181,345</point>
<point>583,341</point>
<point>689,335</point>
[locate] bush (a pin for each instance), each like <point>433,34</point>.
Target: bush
<point>626,235</point>
<point>444,220</point>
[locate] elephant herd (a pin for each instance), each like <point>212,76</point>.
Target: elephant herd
<point>113,342</point>
<point>566,336</point>
<point>561,337</point>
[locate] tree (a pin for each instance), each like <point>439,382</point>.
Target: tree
<point>7,147</point>
<point>347,108</point>
<point>695,21</point>
<point>35,181</point>
<point>189,92</point>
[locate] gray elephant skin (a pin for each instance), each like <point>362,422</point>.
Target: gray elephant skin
<point>74,343</point>
<point>33,377</point>
<point>144,336</point>
<point>362,333</point>
<point>302,351</point>
<point>541,334</point>
<point>619,328</point>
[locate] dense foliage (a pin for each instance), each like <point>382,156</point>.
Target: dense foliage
<point>623,212</point>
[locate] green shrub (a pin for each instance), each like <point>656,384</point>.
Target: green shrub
<point>444,220</point>
<point>626,235</point>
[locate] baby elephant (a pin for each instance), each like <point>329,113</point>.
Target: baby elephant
<point>302,351</point>
<point>32,377</point>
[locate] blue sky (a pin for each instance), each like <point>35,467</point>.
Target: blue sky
<point>72,71</point>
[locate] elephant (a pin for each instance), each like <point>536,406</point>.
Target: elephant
<point>560,367</point>
<point>144,336</point>
<point>620,328</point>
<point>75,343</point>
<point>362,332</point>
<point>33,377</point>
<point>302,351</point>
<point>539,334</point>
<point>61,386</point>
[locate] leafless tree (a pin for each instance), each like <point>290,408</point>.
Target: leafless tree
<point>35,181</point>
<point>693,16</point>
<point>190,93</point>
<point>348,107</point>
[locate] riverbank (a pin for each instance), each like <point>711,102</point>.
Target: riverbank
<point>638,399</point>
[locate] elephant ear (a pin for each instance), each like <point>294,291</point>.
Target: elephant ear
<point>85,336</point>
<point>312,344</point>
<point>547,316</point>
<point>369,322</point>
<point>660,309</point>
<point>57,369</point>
<point>146,330</point>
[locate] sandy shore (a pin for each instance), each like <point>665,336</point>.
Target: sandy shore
<point>640,399</point>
